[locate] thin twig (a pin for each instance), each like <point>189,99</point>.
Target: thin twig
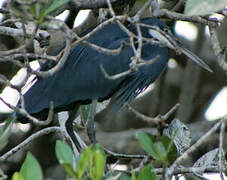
<point>219,52</point>
<point>9,21</point>
<point>97,28</point>
<point>19,32</point>
<point>178,16</point>
<point>132,69</point>
<point>220,154</point>
<point>124,156</point>
<point>30,56</point>
<point>34,120</point>
<point>12,51</point>
<point>88,4</point>
<point>182,170</point>
<point>102,49</point>
<point>6,82</point>
<point>185,155</point>
<point>130,34</point>
<point>7,59</point>
<point>140,44</point>
<point>28,140</point>
<point>171,111</point>
<point>140,12</point>
<point>114,77</point>
<point>185,170</point>
<point>155,120</point>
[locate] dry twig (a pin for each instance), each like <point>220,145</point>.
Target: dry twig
<point>185,155</point>
<point>31,138</point>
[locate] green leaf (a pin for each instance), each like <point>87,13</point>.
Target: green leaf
<point>17,176</point>
<point>170,148</point>
<point>65,154</point>
<point>147,144</point>
<point>124,176</point>
<point>225,149</point>
<point>98,163</point>
<point>39,7</point>
<point>84,112</point>
<point>56,4</point>
<point>70,171</point>
<point>147,173</point>
<point>53,6</point>
<point>36,10</point>
<point>204,7</point>
<point>160,149</point>
<point>141,2</point>
<point>133,174</point>
<point>83,162</point>
<point>33,10</point>
<point>31,168</point>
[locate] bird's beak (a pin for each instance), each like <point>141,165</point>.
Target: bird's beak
<point>172,42</point>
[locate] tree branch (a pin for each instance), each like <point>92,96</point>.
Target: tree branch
<point>218,51</point>
<point>88,4</point>
<point>28,140</point>
<point>185,155</point>
<point>20,33</point>
<point>178,16</point>
<point>221,139</point>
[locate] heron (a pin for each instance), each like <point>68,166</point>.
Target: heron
<point>81,79</point>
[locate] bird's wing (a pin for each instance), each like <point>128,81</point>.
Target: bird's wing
<point>80,80</point>
<point>139,80</point>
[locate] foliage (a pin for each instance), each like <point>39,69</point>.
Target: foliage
<point>162,150</point>
<point>29,170</point>
<point>38,11</point>
<point>84,113</point>
<point>147,173</point>
<point>92,161</point>
<point>65,156</point>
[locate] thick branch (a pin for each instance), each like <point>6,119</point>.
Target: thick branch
<point>184,170</point>
<point>88,4</point>
<point>20,33</point>
<point>182,17</point>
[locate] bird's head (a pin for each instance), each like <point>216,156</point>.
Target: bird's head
<point>161,32</point>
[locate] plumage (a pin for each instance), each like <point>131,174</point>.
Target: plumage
<point>80,80</point>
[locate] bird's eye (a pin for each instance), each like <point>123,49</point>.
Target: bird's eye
<point>166,30</point>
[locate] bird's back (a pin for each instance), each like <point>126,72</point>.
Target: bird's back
<point>80,80</point>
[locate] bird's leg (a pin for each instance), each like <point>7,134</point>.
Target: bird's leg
<point>69,128</point>
<point>90,123</point>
